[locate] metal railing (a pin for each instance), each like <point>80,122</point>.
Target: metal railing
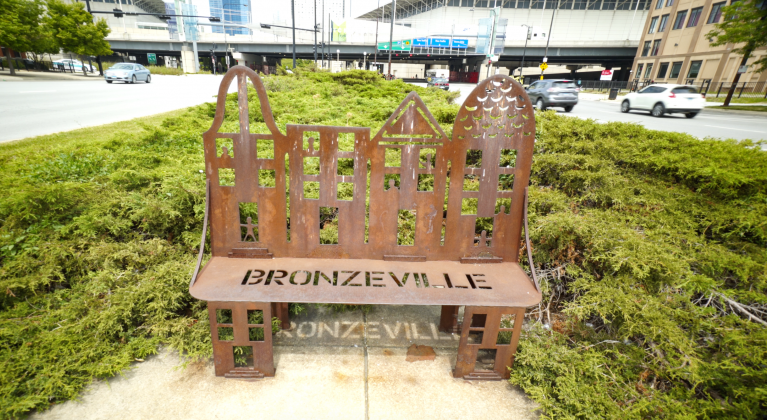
<point>742,90</point>
<point>705,86</point>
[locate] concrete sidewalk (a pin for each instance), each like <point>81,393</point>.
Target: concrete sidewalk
<point>36,76</point>
<point>328,366</point>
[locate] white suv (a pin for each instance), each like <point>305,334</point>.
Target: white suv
<point>666,99</point>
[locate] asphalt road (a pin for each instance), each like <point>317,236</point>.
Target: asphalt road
<point>34,108</point>
<point>708,123</point>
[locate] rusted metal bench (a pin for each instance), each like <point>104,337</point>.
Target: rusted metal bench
<point>270,229</point>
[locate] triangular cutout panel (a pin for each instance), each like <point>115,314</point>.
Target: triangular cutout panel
<point>411,122</point>
<point>412,118</point>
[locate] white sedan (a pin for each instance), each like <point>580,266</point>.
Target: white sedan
<point>666,99</point>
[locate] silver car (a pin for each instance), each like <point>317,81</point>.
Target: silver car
<point>553,93</point>
<point>128,73</point>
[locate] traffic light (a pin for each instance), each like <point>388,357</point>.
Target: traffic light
<point>118,13</point>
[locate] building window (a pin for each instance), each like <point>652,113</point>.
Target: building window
<point>662,70</point>
<point>639,71</point>
<point>663,22</point>
<point>675,69</point>
<point>655,47</point>
<point>716,12</point>
<point>659,5</point>
<point>694,69</point>
<point>646,48</point>
<point>694,17</point>
<point>679,22</point>
<point>653,22</point>
<point>669,3</point>
<point>648,71</point>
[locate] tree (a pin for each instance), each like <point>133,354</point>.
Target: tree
<point>21,26</point>
<point>744,24</point>
<point>74,29</point>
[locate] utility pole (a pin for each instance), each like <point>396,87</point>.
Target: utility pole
<point>293,14</point>
<point>98,57</point>
<point>491,49</point>
<point>551,25</point>
<point>391,33</point>
<point>330,38</point>
<point>315,33</point>
<point>323,34</point>
<point>375,54</point>
<point>524,50</point>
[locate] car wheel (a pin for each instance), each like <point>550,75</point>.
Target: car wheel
<point>568,108</point>
<point>625,107</point>
<point>658,110</point>
<point>540,105</point>
<point>133,79</point>
<point>149,78</point>
<point>691,114</point>
<point>109,81</point>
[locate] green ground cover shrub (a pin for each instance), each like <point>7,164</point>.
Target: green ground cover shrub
<point>651,247</point>
<point>99,229</point>
<point>653,250</point>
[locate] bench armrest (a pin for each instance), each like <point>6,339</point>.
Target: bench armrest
<point>204,231</point>
<point>527,245</point>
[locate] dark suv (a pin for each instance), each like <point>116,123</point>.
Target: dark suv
<point>553,93</point>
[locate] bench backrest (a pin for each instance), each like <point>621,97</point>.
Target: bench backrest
<point>427,208</point>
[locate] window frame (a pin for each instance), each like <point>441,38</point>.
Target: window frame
<point>669,3</point>
<point>681,17</point>
<point>655,49</point>
<point>697,72</point>
<point>663,67</point>
<point>659,5</point>
<point>646,48</point>
<point>663,22</point>
<point>653,23</point>
<point>716,12</point>
<point>648,71</point>
<point>638,73</point>
<point>678,70</point>
<point>694,18</point>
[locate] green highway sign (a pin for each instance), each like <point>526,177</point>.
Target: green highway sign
<point>151,58</point>
<point>404,45</point>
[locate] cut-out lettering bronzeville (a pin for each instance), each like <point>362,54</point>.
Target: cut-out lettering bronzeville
<point>345,278</point>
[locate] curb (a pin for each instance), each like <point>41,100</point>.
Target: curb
<point>735,111</point>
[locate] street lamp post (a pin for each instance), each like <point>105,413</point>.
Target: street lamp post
<point>551,25</point>
<point>524,50</point>
<point>392,14</point>
<point>364,60</point>
<point>293,14</point>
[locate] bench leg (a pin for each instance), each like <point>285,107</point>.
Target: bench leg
<point>241,333</point>
<point>486,350</point>
<point>448,320</point>
<point>280,310</point>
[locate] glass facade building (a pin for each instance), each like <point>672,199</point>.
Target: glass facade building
<point>231,11</point>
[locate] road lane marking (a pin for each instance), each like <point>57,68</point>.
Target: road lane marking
<point>737,129</point>
<point>38,91</point>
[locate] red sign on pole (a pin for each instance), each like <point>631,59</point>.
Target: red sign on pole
<point>606,75</point>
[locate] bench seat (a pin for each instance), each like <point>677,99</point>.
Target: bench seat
<point>378,282</point>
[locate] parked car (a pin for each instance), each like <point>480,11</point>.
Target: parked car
<point>439,82</point>
<point>666,99</point>
<point>128,73</point>
<point>559,93</point>
<point>69,64</point>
